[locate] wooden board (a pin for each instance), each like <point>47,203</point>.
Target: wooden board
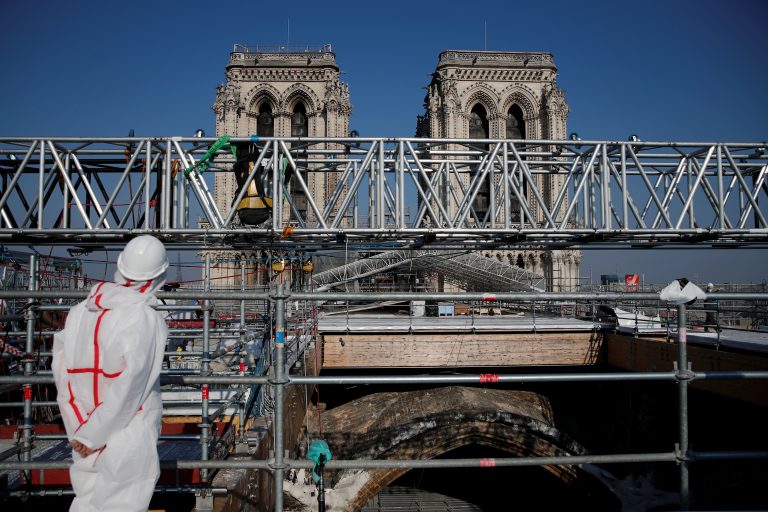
<point>658,355</point>
<point>449,350</point>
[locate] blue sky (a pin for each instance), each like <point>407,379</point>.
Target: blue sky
<point>665,70</point>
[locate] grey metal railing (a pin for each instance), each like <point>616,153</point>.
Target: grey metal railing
<point>682,374</point>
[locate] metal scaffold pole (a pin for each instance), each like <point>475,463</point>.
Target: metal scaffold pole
<point>205,370</point>
<point>280,382</point>
<point>683,376</point>
<point>243,440</point>
<point>29,366</point>
<point>203,495</point>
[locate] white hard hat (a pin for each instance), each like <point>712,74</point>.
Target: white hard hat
<point>142,259</point>
<point>710,285</point>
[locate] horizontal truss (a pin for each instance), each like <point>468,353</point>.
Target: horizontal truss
<point>469,270</point>
<point>538,193</point>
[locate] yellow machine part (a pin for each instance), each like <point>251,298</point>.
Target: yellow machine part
<point>278,265</point>
<point>252,198</point>
<point>255,202</point>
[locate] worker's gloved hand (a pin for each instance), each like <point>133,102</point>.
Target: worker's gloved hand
<point>81,449</point>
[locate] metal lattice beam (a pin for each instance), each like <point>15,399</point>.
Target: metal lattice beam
<point>471,271</point>
<point>466,192</point>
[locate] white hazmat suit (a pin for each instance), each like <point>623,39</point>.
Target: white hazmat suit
<point>106,363</point>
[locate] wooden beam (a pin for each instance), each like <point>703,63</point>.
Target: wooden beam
<point>449,350</point>
<point>658,355</point>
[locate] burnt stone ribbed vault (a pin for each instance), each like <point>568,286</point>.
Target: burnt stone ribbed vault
<point>428,423</point>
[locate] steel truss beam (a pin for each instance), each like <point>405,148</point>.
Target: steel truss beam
<point>466,192</point>
<point>470,270</point>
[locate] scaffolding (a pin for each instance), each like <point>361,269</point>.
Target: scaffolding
<point>683,375</point>
<point>610,193</point>
<point>89,193</point>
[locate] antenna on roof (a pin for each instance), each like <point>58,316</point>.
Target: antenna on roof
<point>485,35</point>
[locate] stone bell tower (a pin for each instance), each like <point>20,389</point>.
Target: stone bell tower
<point>281,92</point>
<point>277,91</point>
<point>504,95</point>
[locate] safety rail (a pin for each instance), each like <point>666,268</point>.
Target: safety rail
<point>467,193</point>
<point>683,375</point>
<point>260,48</point>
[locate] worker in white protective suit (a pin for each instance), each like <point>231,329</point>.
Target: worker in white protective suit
<point>106,363</point>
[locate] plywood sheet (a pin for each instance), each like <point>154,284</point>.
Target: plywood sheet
<point>353,350</point>
<point>657,355</point>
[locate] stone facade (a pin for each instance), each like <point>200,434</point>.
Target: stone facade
<point>281,93</point>
<point>284,92</point>
<point>503,95</point>
<point>276,92</point>
<point>497,81</point>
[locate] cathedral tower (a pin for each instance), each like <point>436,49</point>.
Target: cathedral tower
<point>503,95</point>
<point>280,92</point>
<point>276,91</point>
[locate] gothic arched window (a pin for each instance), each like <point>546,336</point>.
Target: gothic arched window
<point>478,123</point>
<point>265,126</point>
<point>515,123</point>
<point>479,129</point>
<point>299,123</point>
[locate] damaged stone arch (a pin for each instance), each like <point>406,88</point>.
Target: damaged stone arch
<point>427,424</point>
<point>515,435</point>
